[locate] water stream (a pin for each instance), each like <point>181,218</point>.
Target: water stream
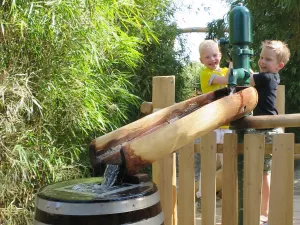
<point>110,176</point>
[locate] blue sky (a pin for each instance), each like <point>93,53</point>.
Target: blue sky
<point>198,14</point>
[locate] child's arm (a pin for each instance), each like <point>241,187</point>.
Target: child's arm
<point>252,82</point>
<point>222,80</point>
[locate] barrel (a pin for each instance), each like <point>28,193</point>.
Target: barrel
<point>85,202</point>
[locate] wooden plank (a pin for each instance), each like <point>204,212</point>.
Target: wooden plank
<point>163,172</point>
<point>174,192</point>
<point>208,145</point>
<point>186,191</point>
<point>280,99</point>
<point>166,177</point>
<point>282,180</point>
<point>230,181</point>
<point>253,172</point>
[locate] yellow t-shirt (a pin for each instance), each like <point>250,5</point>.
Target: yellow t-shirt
<point>206,77</point>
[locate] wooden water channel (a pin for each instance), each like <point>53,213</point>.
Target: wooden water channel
<point>178,201</point>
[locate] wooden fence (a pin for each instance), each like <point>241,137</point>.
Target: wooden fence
<point>178,198</point>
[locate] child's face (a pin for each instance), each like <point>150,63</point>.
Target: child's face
<point>268,62</point>
<point>211,57</point>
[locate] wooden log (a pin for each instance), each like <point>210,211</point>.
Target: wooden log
<point>146,107</point>
<point>163,95</point>
<point>264,122</point>
<point>146,149</point>
<point>195,29</point>
<point>112,141</point>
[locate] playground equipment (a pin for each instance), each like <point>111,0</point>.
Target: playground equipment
<point>142,142</point>
<point>254,148</point>
<point>146,144</point>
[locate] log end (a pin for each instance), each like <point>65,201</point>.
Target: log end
<point>133,162</point>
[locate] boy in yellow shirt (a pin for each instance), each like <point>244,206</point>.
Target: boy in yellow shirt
<point>212,77</point>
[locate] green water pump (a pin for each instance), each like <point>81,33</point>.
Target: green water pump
<point>240,36</point>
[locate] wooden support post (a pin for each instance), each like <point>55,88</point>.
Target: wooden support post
<point>208,152</point>
<point>230,181</point>
<point>186,191</point>
<point>254,146</point>
<point>280,100</point>
<point>280,104</point>
<point>282,180</point>
<point>164,170</point>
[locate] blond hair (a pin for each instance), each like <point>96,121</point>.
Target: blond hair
<point>280,48</point>
<point>207,44</point>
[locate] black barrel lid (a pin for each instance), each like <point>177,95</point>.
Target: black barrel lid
<point>90,190</point>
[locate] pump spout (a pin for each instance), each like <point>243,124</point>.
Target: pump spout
<point>239,77</point>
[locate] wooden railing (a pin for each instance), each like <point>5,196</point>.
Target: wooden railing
<point>179,206</point>
<point>282,178</point>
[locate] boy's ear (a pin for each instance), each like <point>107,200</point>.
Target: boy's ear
<point>280,65</point>
<point>200,60</point>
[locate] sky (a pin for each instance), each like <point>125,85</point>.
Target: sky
<point>199,13</point>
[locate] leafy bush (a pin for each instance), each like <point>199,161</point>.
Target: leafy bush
<point>69,73</point>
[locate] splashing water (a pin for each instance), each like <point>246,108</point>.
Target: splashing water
<point>110,176</point>
<point>232,90</point>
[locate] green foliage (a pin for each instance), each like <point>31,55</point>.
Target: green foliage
<point>161,59</point>
<point>69,72</point>
<point>191,79</point>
